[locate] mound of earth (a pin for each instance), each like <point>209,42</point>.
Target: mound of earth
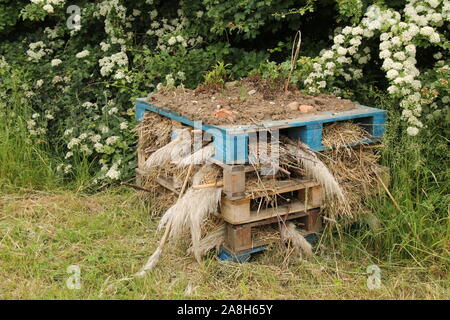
<point>245,102</point>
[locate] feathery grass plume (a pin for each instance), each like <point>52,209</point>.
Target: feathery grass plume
<point>191,210</point>
<point>151,262</point>
<point>182,149</point>
<point>214,239</point>
<point>207,203</point>
<point>290,233</point>
<point>190,289</point>
<point>317,169</point>
<point>177,148</point>
<point>198,157</point>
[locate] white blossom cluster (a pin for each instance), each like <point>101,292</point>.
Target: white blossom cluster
<point>82,54</point>
<point>113,173</point>
<point>116,62</point>
<point>48,5</point>
<point>51,33</point>
<point>168,32</point>
<point>397,50</point>
<point>37,50</point>
<point>108,63</point>
<point>101,139</point>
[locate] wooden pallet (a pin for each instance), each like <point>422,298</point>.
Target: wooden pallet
<point>239,238</point>
<point>303,195</point>
<point>231,142</point>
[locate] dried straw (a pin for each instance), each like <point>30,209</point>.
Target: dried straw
<point>198,157</point>
<point>154,132</point>
<point>353,167</point>
<point>342,134</point>
<point>290,233</point>
<point>174,150</point>
<point>213,240</point>
<point>316,168</point>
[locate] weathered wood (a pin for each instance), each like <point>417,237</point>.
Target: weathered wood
<point>234,182</point>
<point>208,185</point>
<point>235,211</point>
<point>315,196</point>
<point>238,211</point>
<point>284,186</point>
<point>237,237</point>
<point>240,237</point>
<point>313,221</point>
<point>140,161</point>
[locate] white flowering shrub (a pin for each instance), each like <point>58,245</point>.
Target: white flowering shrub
<point>81,78</point>
<point>81,82</point>
<point>421,24</point>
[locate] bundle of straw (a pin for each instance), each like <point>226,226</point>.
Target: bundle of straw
<point>192,210</point>
<point>316,168</point>
<point>174,150</point>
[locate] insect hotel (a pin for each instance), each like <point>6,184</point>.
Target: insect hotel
<point>259,183</point>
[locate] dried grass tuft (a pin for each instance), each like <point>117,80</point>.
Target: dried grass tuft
<point>213,240</point>
<point>317,169</point>
<point>355,169</point>
<point>154,132</point>
<point>198,157</point>
<point>341,134</point>
<point>191,211</point>
<point>173,151</point>
<point>290,233</point>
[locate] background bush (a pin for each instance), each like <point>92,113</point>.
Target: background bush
<point>80,83</point>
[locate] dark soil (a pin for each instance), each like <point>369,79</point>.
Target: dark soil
<point>244,102</point>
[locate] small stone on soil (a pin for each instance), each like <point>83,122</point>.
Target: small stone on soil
<point>305,108</point>
<point>293,106</point>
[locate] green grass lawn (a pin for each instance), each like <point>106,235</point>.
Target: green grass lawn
<point>110,236</point>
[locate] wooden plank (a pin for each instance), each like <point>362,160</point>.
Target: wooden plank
<point>313,222</point>
<point>286,217</point>
<point>295,206</point>
<point>284,186</point>
<point>231,142</point>
<point>315,195</point>
<point>325,117</point>
<point>237,212</point>
<point>234,182</point>
<point>238,237</point>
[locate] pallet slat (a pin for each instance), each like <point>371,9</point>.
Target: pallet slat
<point>239,237</point>
<point>308,196</point>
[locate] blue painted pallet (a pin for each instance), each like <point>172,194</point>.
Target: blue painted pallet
<point>231,142</point>
<point>243,257</point>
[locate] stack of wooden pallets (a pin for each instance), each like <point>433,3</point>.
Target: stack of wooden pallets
<point>298,200</point>
<point>245,210</point>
